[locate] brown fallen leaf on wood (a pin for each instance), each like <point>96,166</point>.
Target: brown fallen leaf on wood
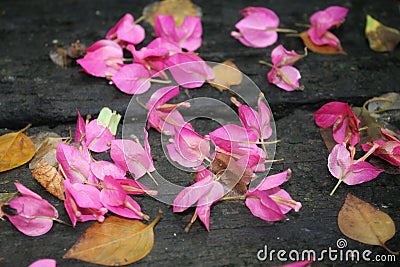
<point>363,222</point>
<point>321,49</point>
<point>50,179</point>
<point>226,74</point>
<point>177,8</point>
<point>231,174</point>
<point>327,136</point>
<point>380,37</point>
<point>45,148</point>
<point>114,242</point>
<point>16,149</point>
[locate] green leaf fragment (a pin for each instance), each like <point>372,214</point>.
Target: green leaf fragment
<point>109,119</point>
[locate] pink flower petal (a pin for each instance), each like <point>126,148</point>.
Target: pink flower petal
<point>98,137</point>
<point>191,194</point>
<point>262,206</point>
<point>126,30</point>
<point>131,156</point>
<point>285,77</point>
<point>189,70</point>
<point>189,33</point>
<point>124,211</point>
<point>112,193</point>
<point>339,161</point>
<point>102,62</point>
<point>102,168</point>
<point>272,181</point>
<point>361,172</point>
<point>329,113</point>
<point>132,79</point>
<point>43,263</point>
<point>80,130</point>
<point>205,202</point>
<point>280,56</point>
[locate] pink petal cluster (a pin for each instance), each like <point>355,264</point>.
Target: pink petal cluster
<point>322,21</point>
<point>257,28</point>
<point>388,149</point>
<point>342,119</point>
<point>268,201</point>
<point>105,58</point>
<point>93,188</point>
<point>33,215</point>
<point>283,74</point>
<point>187,35</point>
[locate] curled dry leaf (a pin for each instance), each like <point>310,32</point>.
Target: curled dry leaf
<point>380,37</point>
<point>16,149</point>
<point>114,242</point>
<point>373,128</point>
<point>45,148</point>
<point>50,179</point>
<point>225,75</point>
<point>321,49</point>
<point>327,136</point>
<point>177,8</point>
<point>65,57</point>
<point>363,222</point>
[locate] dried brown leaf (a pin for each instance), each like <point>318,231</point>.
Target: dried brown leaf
<point>321,49</point>
<point>46,146</point>
<point>231,174</point>
<point>16,149</point>
<point>114,242</point>
<point>50,179</point>
<point>226,74</point>
<point>363,222</point>
<point>327,136</point>
<point>380,37</point>
<point>177,8</point>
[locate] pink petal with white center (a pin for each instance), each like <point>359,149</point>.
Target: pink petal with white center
<point>189,70</point>
<point>102,62</point>
<point>112,193</point>
<point>361,172</point>
<point>339,161</point>
<point>98,137</point>
<point>285,77</point>
<point>132,79</point>
<point>191,194</point>
<point>189,33</point>
<point>131,156</point>
<point>43,263</point>
<point>80,129</point>
<point>262,206</point>
<point>280,56</point>
<point>102,168</point>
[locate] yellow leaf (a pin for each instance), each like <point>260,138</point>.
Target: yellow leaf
<point>380,37</point>
<point>321,49</point>
<point>177,8</point>
<point>361,221</point>
<point>116,241</point>
<point>16,149</point>
<point>226,74</point>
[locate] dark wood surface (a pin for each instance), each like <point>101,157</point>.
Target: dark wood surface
<point>34,90</point>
